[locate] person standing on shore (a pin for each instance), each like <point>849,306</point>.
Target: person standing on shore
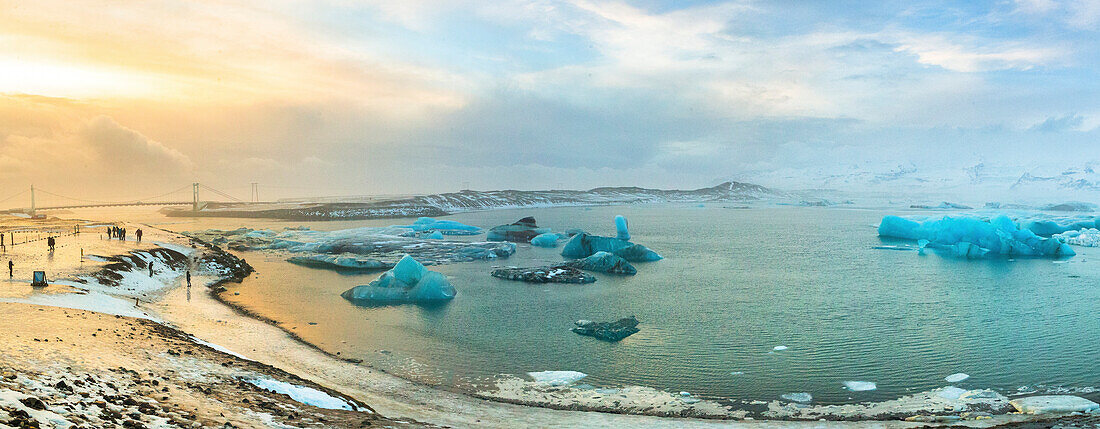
<point>189,279</point>
<point>139,235</point>
<point>150,268</point>
<point>11,269</point>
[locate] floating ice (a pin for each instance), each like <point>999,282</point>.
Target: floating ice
<point>797,397</point>
<point>1088,237</point>
<point>1053,404</point>
<point>974,238</point>
<point>435,235</point>
<point>520,231</point>
<point>605,263</point>
<point>548,239</point>
<point>957,377</point>
<point>557,378</point>
<point>407,282</point>
<point>685,394</point>
<point>444,227</point>
<point>737,373</point>
<point>583,245</point>
<point>386,244</point>
<point>339,262</point>
<point>860,386</point>
<point>779,348</point>
<point>620,228</point>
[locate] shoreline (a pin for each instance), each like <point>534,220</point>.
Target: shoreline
<point>408,397</point>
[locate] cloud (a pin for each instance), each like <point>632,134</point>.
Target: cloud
<point>1057,124</point>
<point>128,150</point>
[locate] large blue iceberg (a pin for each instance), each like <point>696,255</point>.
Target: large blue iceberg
<point>605,263</point>
<point>407,282</point>
<point>444,227</point>
<point>974,238</point>
<point>584,245</point>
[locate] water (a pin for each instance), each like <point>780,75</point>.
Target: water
<point>734,285</point>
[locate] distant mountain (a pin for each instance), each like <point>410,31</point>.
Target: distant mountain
<point>464,201</point>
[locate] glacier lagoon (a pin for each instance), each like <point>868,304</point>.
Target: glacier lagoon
<point>734,289</point>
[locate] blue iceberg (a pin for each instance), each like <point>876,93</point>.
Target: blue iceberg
<point>974,238</point>
<point>339,262</point>
<point>605,262</point>
<point>444,227</point>
<point>548,239</point>
<point>584,245</point>
<point>620,228</point>
<point>407,282</point>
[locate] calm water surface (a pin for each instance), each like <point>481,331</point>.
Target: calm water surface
<point>734,285</point>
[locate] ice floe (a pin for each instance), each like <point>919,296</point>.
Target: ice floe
<point>407,282</point>
<point>971,237</point>
<point>957,377</point>
<point>1053,404</point>
<point>801,397</point>
<point>860,386</point>
<point>557,378</point>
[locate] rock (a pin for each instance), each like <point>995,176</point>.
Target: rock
<point>551,274</point>
<point>1048,404</point>
<point>33,403</point>
<point>522,231</point>
<point>608,331</point>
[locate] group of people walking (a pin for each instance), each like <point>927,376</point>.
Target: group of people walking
<point>120,233</point>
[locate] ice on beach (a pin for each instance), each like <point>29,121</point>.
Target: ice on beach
<point>548,239</point>
<point>957,377</point>
<point>801,397</point>
<point>557,378</point>
<point>1054,404</point>
<point>973,237</point>
<point>304,395</point>
<point>860,386</point>
<point>950,392</point>
<point>779,348</point>
<point>407,282</point>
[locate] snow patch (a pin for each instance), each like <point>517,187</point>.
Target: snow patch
<point>302,394</point>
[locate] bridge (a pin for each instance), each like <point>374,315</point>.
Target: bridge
<point>77,203</point>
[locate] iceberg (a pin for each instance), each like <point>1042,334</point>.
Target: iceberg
<point>620,228</point>
<point>435,235</point>
<point>340,262</point>
<point>557,378</point>
<point>521,231</point>
<point>860,386</point>
<point>552,274</point>
<point>407,282</point>
<point>974,238</point>
<point>607,331</point>
<point>548,239</point>
<point>1089,237</point>
<point>604,262</point>
<point>957,377</point>
<point>385,244</point>
<point>444,227</point>
<point>585,245</point>
<point>801,397</point>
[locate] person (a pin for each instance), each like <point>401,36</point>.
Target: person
<point>11,269</point>
<point>139,235</point>
<point>110,232</point>
<point>188,279</point>
<point>150,269</point>
<point>50,242</point>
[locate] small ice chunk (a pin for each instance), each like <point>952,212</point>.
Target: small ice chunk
<point>779,348</point>
<point>860,386</point>
<point>1053,404</point>
<point>435,235</point>
<point>557,378</point>
<point>957,377</point>
<point>685,394</point>
<point>950,392</point>
<point>797,397</point>
<point>737,373</point>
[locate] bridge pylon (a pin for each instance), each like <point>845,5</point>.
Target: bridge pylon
<point>195,191</point>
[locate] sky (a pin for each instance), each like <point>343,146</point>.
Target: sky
<point>125,99</point>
